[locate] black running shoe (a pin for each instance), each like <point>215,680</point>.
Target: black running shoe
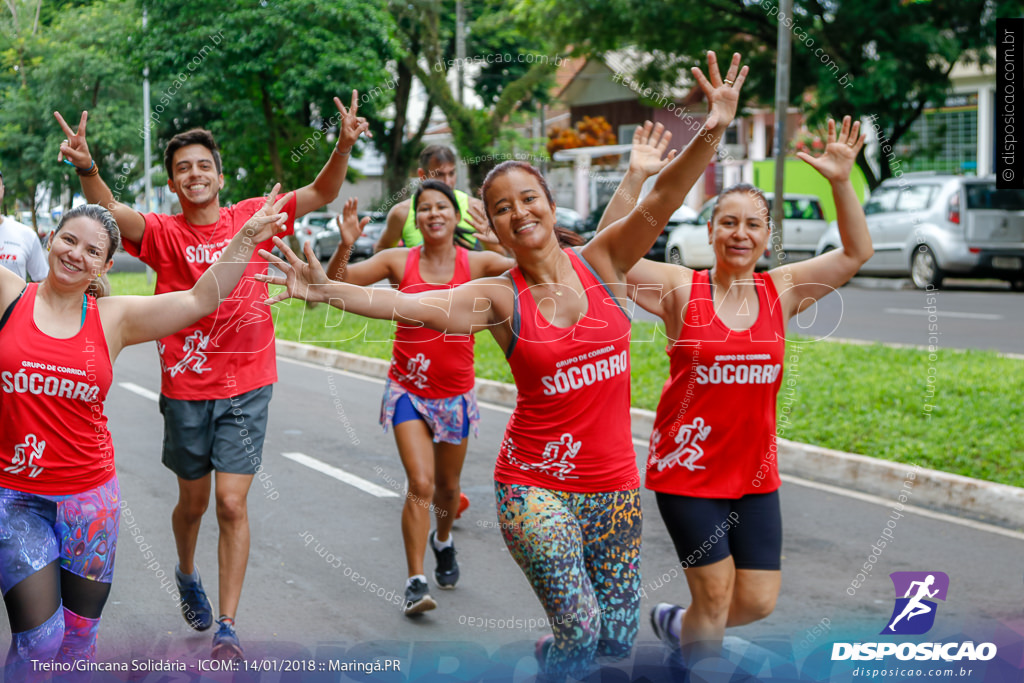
<point>447,572</point>
<point>417,599</point>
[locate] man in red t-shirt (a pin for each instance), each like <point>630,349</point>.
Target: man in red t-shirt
<point>217,375</point>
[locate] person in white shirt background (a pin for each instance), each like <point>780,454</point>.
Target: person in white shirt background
<point>20,250</point>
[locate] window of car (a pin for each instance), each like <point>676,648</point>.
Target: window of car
<point>986,196</point>
<point>915,198</point>
<point>882,200</point>
<point>802,209</point>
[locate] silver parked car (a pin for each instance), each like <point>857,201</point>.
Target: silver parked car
<point>929,227</point>
<point>326,241</point>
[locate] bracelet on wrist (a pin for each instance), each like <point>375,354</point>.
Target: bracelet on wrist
<point>86,172</point>
<point>342,154</point>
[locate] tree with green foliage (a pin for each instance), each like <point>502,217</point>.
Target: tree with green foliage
<point>261,76</point>
<point>515,70</point>
<point>68,58</point>
<point>875,58</point>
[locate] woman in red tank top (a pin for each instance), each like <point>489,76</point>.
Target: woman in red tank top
<point>429,395</point>
<point>566,480</point>
<point>712,455</point>
<point>59,498</point>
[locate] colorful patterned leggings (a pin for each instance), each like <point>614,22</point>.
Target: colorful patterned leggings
<point>55,612</point>
<point>581,554</point>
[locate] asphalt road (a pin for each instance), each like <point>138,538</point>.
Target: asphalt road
<point>315,528</point>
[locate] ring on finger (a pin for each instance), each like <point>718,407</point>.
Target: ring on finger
<point>728,82</point>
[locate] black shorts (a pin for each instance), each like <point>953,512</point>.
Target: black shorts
<point>224,434</point>
<point>707,530</point>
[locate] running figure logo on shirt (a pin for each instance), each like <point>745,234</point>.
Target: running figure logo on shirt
<point>558,457</point>
<point>194,358</point>
<point>687,447</point>
<point>416,371</point>
<point>916,587</point>
<point>22,460</point>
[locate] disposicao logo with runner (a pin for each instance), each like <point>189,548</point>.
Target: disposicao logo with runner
<point>914,613</point>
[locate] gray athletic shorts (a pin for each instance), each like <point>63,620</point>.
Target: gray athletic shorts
<point>224,434</point>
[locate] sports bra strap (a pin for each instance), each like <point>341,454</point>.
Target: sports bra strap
<point>10,309</point>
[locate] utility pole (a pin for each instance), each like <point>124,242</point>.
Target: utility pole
<point>783,46</point>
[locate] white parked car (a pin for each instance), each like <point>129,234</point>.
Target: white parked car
<point>803,225</point>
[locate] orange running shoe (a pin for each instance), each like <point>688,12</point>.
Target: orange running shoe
<point>463,504</point>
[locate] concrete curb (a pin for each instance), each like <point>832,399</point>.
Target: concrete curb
<point>951,493</point>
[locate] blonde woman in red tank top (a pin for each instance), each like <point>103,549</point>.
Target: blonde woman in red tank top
<point>429,396</point>
<point>712,456</point>
<point>567,492</point>
<point>59,497</point>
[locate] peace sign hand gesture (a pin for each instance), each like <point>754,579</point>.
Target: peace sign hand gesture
<point>723,95</point>
<point>350,126</point>
<point>840,152</point>
<point>74,148</point>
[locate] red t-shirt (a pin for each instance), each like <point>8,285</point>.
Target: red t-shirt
<point>425,362</point>
<point>230,351</point>
<point>714,430</point>
<point>53,433</point>
<point>570,430</point>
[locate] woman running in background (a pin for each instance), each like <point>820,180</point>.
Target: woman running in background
<point>429,397</point>
<point>59,496</point>
<point>566,480</point>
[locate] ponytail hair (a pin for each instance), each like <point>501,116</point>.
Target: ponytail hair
<point>99,287</point>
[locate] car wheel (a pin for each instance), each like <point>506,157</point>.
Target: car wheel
<point>1017,285</point>
<point>675,256</point>
<point>924,269</point>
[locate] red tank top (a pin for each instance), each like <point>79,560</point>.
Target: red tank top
<point>714,431</point>
<point>425,362</point>
<point>53,433</point>
<point>570,430</point>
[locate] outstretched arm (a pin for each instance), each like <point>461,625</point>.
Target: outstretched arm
<point>144,318</point>
<point>801,284</point>
<point>649,144</point>
<point>75,150</point>
<point>623,243</point>
<point>324,189</point>
<point>465,309</point>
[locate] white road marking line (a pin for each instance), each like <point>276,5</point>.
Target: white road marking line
<point>887,502</point>
<point>341,475</point>
<point>141,391</point>
<point>865,497</point>
<point>944,314</point>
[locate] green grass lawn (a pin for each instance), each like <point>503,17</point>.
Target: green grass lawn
<point>959,412</point>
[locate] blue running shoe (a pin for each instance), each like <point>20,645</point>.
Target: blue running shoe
<point>662,617</point>
<point>195,606</point>
<point>225,641</point>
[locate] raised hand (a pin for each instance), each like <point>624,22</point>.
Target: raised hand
<point>723,95</point>
<point>348,222</point>
<point>649,144</point>
<point>478,219</point>
<point>351,125</point>
<point>298,277</point>
<point>840,152</point>
<point>74,147</point>
<point>269,220</point>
